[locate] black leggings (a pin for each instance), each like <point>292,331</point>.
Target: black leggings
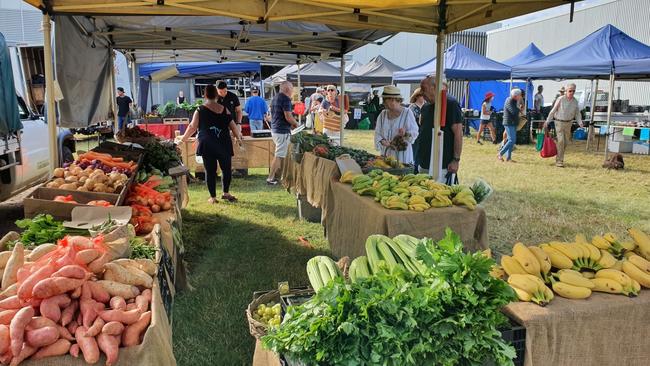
<point>210,164</point>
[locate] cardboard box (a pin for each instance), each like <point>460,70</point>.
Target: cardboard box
<point>40,201</point>
<point>620,146</point>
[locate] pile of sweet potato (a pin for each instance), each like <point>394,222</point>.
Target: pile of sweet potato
<point>74,300</point>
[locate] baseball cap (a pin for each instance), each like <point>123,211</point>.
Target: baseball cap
<point>120,89</point>
<point>255,89</point>
<point>222,84</point>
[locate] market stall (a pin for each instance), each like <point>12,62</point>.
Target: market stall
<point>256,152</point>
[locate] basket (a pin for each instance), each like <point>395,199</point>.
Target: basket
<point>256,328</point>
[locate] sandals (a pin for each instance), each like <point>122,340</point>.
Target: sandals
<point>228,197</point>
<point>212,200</point>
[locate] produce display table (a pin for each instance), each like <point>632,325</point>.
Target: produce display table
<point>257,153</point>
<point>166,131</point>
<point>352,218</point>
<point>602,330</point>
<point>311,178</point>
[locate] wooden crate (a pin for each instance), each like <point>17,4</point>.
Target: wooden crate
<point>176,121</point>
<point>40,201</point>
<point>257,153</point>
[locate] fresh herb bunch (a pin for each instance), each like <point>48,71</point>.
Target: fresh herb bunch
<point>140,249</point>
<point>448,316</point>
<point>161,155</point>
<point>307,140</point>
<point>362,157</point>
<point>41,229</point>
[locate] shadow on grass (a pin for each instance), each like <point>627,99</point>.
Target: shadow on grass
<point>229,259</point>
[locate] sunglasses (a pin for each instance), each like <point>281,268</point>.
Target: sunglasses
<point>331,90</point>
<point>570,91</point>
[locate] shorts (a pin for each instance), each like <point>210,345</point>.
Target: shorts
<point>485,121</point>
<point>281,141</point>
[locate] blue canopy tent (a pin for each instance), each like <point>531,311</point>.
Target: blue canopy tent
<point>461,63</point>
<point>501,90</point>
<point>606,53</point>
<point>529,54</point>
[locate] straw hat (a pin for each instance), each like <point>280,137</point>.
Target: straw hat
<point>562,90</point>
<point>391,91</point>
<point>416,93</point>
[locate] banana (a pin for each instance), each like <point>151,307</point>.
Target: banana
<point>548,294</point>
<point>642,240</point>
<point>542,258</point>
<point>606,260</point>
<point>557,258</point>
<point>615,275</point>
<point>594,253</point>
<point>570,291</point>
<point>610,237</point>
<point>581,238</point>
<point>637,274</point>
<point>574,278</point>
<point>585,253</point>
<point>511,266</point>
<point>487,253</point>
<point>638,261</point>
<point>526,258</point>
<point>636,286</point>
<point>600,242</point>
<point>627,245</point>
<point>570,251</point>
<point>588,274</point>
<point>530,284</point>
<point>497,272</point>
<point>617,266</point>
<point>607,285</point>
<point>521,294</point>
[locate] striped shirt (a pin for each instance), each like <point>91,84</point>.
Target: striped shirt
<point>565,110</point>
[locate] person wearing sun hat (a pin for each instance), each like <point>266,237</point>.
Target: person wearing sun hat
<point>486,111</point>
<point>396,128</point>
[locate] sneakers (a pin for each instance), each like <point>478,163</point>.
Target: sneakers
<point>479,142</point>
<point>272,182</point>
<point>559,164</point>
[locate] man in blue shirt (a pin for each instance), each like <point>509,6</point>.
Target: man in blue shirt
<point>282,122</point>
<point>256,109</point>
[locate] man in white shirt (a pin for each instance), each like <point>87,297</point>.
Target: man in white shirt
<point>564,111</point>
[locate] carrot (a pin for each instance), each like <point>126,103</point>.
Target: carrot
<point>17,328</point>
<point>64,333</point>
<point>55,286</point>
<point>7,315</point>
<point>87,255</point>
<point>23,354</point>
<point>42,337</point>
<point>87,345</point>
<point>58,348</point>
<point>17,259</point>
<point>74,350</point>
<point>119,289</point>
<point>5,340</point>
<point>68,313</point>
<point>51,307</point>
<point>27,286</point>
<point>118,303</point>
<point>132,333</point>
<point>71,271</point>
<point>98,292</point>
<point>125,317</point>
<point>109,344</point>
<point>96,328</point>
<point>113,328</point>
<point>12,302</point>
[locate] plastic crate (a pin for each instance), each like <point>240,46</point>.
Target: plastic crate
<point>516,337</point>
<point>306,211</point>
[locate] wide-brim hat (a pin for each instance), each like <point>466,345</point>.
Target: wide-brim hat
<point>489,95</point>
<point>562,89</point>
<point>391,91</point>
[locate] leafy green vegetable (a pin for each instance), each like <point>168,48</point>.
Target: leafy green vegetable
<point>448,316</point>
<point>40,230</point>
<point>161,155</point>
<point>140,248</point>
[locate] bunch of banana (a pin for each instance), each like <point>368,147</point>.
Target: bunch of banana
<point>457,188</point>
<point>375,173</point>
<point>384,253</point>
<point>394,203</point>
<point>432,185</point>
<point>615,282</point>
<point>642,240</point>
<point>380,163</point>
<point>359,268</point>
<point>610,243</point>
<point>575,256</point>
<point>530,288</point>
<point>361,182</point>
<point>464,198</point>
<point>418,203</point>
<point>526,260</point>
<point>348,176</point>
<point>321,270</point>
<point>571,284</point>
<point>415,179</point>
<point>638,268</point>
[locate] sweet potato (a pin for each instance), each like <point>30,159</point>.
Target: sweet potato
<point>55,286</point>
<point>109,344</point>
<point>76,293</point>
<point>58,348</point>
<point>96,328</point>
<point>41,251</point>
<point>132,333</point>
<point>68,313</point>
<point>131,306</point>
<point>42,337</point>
<point>87,255</point>
<point>71,271</point>
<point>12,302</point>
<point>129,276</point>
<point>72,327</point>
<point>113,328</point>
<point>86,292</point>
<point>74,350</point>
<point>23,354</point>
<point>10,236</point>
<point>119,289</point>
<point>142,303</point>
<point>98,292</point>
<point>125,317</point>
<point>39,322</point>
<point>64,333</point>
<point>66,259</point>
<point>97,266</point>
<point>7,315</point>
<point>81,242</point>
<point>10,291</point>
<point>5,358</point>
<point>17,328</point>
<point>147,294</point>
<point>146,265</point>
<point>5,340</point>
<point>16,260</point>
<point>118,303</point>
<point>89,310</point>
<point>87,345</point>
<point>27,286</point>
<point>4,258</point>
<point>51,307</point>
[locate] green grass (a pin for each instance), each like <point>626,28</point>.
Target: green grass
<point>235,249</point>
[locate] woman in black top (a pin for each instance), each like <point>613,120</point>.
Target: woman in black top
<point>214,123</point>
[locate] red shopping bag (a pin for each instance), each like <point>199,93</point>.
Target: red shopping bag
<point>549,149</point>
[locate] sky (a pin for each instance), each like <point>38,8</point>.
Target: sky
<point>564,9</point>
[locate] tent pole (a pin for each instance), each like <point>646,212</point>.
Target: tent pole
<point>342,98</point>
<point>510,83</point>
<point>49,92</point>
<point>435,162</point>
<point>590,134</point>
<point>609,110</point>
<point>299,93</point>
<point>135,84</point>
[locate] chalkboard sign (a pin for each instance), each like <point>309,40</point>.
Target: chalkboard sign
<point>166,262</point>
<point>165,292</point>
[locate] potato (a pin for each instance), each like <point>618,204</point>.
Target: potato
<point>58,172</point>
<point>59,181</point>
<point>52,185</point>
<point>89,184</point>
<point>99,187</point>
<point>82,189</point>
<point>82,179</point>
<point>69,186</point>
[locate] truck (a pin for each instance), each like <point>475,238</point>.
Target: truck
<point>24,151</point>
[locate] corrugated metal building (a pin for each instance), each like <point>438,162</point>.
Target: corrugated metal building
<point>553,33</point>
<point>20,23</point>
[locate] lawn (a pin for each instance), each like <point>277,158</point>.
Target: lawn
<point>236,249</point>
